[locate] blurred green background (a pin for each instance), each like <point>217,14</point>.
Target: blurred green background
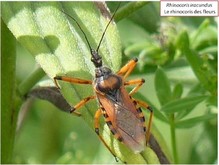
<point>47,135</point>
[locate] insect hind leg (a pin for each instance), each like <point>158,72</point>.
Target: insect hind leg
<point>96,125</point>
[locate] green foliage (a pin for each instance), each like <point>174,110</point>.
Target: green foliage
<point>179,56</point>
<point>10,101</point>
<point>163,89</point>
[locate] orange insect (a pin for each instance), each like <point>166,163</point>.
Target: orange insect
<point>121,111</point>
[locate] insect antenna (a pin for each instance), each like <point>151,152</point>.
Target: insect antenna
<point>107,27</point>
<point>80,29</point>
<point>96,58</point>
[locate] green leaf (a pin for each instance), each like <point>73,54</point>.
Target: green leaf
<point>205,36</point>
<point>10,102</point>
<point>150,14</point>
<point>59,46</point>
<point>177,91</point>
<point>162,86</point>
<point>128,9</point>
<point>193,121</point>
<point>206,76</point>
<point>182,104</point>
<point>204,149</point>
<point>150,156</point>
<point>182,114</point>
<point>127,37</point>
<point>55,40</point>
<point>200,29</point>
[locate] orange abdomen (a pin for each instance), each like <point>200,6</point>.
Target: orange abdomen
<point>124,119</point>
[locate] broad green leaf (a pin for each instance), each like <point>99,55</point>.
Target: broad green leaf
<point>54,39</point>
<point>193,121</point>
<point>162,86</point>
<point>182,104</point>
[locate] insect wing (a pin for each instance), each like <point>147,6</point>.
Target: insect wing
<point>122,113</point>
<point>130,128</point>
<point>128,122</point>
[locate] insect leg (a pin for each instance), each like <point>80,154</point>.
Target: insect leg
<point>81,103</point>
<point>139,83</point>
<point>96,126</point>
<point>75,81</point>
<point>128,68</point>
<point>71,80</point>
<point>146,106</point>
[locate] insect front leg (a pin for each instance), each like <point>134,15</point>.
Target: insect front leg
<point>71,80</point>
<point>139,83</point>
<point>128,68</point>
<point>96,126</point>
<point>146,106</point>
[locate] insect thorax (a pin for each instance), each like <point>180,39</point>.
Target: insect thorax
<point>106,81</point>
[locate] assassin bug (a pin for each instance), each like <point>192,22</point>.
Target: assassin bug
<point>121,111</point>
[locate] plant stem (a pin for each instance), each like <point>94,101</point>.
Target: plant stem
<point>30,81</point>
<point>9,107</point>
<point>173,138</point>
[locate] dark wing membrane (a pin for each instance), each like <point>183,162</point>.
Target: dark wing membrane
<point>126,120</point>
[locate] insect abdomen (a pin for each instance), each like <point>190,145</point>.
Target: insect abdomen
<point>125,121</point>
<point>110,125</point>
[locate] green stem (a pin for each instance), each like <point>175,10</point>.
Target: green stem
<point>30,81</point>
<point>9,107</point>
<point>173,138</point>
